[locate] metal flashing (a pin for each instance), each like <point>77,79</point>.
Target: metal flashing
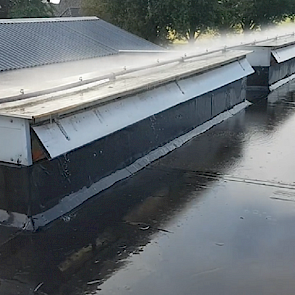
<point>15,144</point>
<point>284,54</point>
<point>277,42</point>
<point>90,125</point>
<point>259,57</point>
<point>48,20</point>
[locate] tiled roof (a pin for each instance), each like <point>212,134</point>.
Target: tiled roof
<point>33,42</point>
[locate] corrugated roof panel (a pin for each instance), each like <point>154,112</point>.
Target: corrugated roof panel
<point>38,42</point>
<point>111,35</point>
<point>32,44</point>
<point>129,41</point>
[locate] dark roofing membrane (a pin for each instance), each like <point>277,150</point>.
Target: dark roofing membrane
<point>33,42</point>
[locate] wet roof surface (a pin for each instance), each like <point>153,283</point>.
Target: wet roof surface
<point>33,42</point>
<point>214,217</point>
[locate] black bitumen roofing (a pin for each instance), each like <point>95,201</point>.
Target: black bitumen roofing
<point>33,42</point>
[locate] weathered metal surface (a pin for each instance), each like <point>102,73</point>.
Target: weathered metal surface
<point>281,70</point>
<point>15,146</point>
<point>74,131</point>
<point>259,57</point>
<point>284,54</point>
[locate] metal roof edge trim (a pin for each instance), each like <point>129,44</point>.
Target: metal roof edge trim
<point>49,19</point>
<point>284,45</point>
<point>145,51</point>
<point>92,124</point>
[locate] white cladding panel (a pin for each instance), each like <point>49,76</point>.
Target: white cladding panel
<point>260,57</point>
<point>77,130</point>
<point>15,142</point>
<point>284,53</point>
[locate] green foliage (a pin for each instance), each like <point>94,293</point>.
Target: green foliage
<point>141,17</point>
<point>3,8</point>
<point>28,8</point>
<point>253,14</point>
<point>191,18</point>
<point>164,20</point>
<point>227,16</point>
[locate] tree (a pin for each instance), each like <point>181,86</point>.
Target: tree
<point>253,14</point>
<point>191,18</point>
<point>226,16</point>
<point>25,8</point>
<point>145,18</point>
<point>165,20</point>
<point>4,4</point>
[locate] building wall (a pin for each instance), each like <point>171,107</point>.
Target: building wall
<point>51,188</point>
<point>67,8</point>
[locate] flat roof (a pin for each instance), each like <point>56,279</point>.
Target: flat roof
<point>47,77</point>
<point>277,42</point>
<point>101,91</point>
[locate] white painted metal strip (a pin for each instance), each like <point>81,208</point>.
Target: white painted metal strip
<point>259,57</point>
<point>82,128</point>
<point>281,83</point>
<point>14,219</point>
<point>46,20</point>
<point>15,144</point>
<point>284,54</point>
